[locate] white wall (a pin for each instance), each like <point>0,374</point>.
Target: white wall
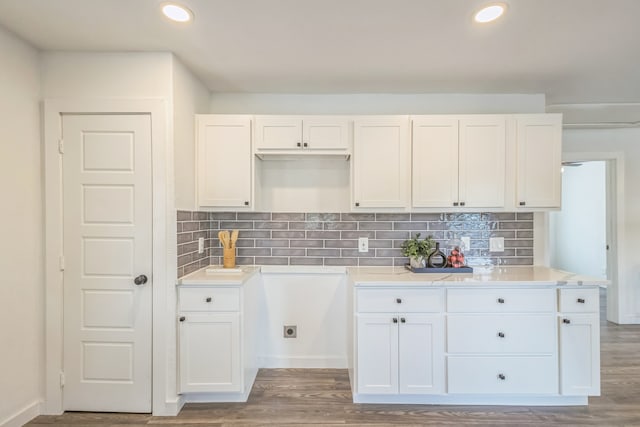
<point>252,103</point>
<point>578,232</point>
<point>21,244</point>
<point>190,97</point>
<point>316,304</point>
<point>106,75</point>
<point>626,142</point>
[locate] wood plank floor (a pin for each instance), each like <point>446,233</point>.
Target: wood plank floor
<point>322,397</point>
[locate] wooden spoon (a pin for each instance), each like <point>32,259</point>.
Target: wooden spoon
<point>234,237</point>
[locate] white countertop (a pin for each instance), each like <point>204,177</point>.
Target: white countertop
<point>379,276</point>
<point>201,277</point>
<point>535,275</point>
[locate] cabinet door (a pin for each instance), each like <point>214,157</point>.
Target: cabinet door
<point>224,161</point>
<point>482,162</point>
<point>325,134</point>
<point>421,354</point>
<point>377,359</point>
<point>435,162</point>
<point>210,353</point>
<point>538,146</point>
<point>579,355</point>
<point>381,163</point>
<point>278,133</point>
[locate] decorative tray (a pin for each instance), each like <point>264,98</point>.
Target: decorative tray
<point>439,270</point>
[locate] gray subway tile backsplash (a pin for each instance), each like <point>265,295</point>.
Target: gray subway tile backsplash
<point>331,239</point>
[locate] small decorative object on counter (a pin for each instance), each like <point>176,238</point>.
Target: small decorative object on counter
<point>228,243</point>
<point>417,250</point>
<point>456,258</point>
<point>437,259</point>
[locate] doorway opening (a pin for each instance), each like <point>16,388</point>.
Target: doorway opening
<point>582,236</point>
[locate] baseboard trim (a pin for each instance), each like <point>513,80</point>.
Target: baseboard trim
<point>23,416</point>
<point>308,362</point>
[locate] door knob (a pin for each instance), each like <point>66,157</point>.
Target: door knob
<point>140,280</point>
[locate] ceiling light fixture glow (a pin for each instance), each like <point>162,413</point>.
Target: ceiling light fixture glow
<point>490,13</point>
<point>176,12</point>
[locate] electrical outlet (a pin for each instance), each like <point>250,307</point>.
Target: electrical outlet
<point>466,244</point>
<point>200,245</point>
<point>290,331</point>
<point>496,244</point>
<point>363,244</point>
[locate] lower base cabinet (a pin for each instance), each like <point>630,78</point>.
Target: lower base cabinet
<point>520,345</point>
<point>210,353</point>
<point>400,353</point>
<point>579,330</point>
<point>218,340</point>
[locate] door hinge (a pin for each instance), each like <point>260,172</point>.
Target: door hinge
<point>61,379</point>
<point>61,146</point>
<point>61,262</point>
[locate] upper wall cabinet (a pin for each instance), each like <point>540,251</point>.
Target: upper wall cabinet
<point>458,161</point>
<point>538,165</point>
<point>302,135</point>
<point>224,161</point>
<point>381,162</point>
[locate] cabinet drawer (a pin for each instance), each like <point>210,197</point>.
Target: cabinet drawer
<point>579,300</point>
<point>502,334</point>
<point>501,300</point>
<point>400,300</point>
<point>499,375</point>
<point>209,299</point>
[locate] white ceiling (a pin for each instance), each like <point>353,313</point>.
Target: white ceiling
<point>574,51</point>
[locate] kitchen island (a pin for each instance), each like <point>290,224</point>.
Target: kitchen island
<point>500,336</point>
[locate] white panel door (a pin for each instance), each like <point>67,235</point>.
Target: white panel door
<point>579,355</point>
<point>539,146</point>
<point>377,362</point>
<point>381,163</point>
<point>435,162</point>
<point>278,133</point>
<point>482,162</point>
<point>421,354</point>
<point>325,134</point>
<point>107,244</point>
<point>224,161</point>
<point>210,353</point>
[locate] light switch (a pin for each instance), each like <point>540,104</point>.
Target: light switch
<point>466,244</point>
<point>200,245</point>
<point>496,244</point>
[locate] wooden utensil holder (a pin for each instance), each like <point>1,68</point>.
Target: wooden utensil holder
<point>229,257</point>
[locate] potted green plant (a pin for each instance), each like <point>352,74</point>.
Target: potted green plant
<point>418,250</point>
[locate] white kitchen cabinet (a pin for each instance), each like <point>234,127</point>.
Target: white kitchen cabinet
<point>458,161</point>
<point>302,135</point>
<point>398,351</point>
<point>224,163</point>
<point>219,339</point>
<point>210,353</point>
<point>538,164</point>
<point>579,330</point>
<point>502,341</point>
<point>381,162</point>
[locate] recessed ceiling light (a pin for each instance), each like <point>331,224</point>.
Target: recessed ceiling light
<point>176,12</point>
<point>490,13</point>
